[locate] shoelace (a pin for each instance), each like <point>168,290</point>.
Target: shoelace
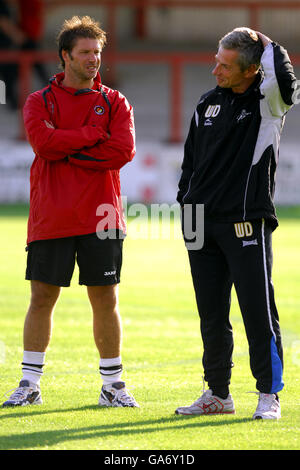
<point>203,385</point>
<point>268,400</point>
<point>125,396</point>
<point>265,400</point>
<point>19,392</point>
<point>201,399</point>
<point>204,394</point>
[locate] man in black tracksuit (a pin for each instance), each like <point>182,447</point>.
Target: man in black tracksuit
<point>229,166</point>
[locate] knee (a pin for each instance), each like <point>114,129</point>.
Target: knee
<point>43,296</point>
<point>104,297</point>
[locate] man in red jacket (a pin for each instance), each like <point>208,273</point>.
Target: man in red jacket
<point>82,133</point>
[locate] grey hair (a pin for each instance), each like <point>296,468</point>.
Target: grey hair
<point>247,43</point>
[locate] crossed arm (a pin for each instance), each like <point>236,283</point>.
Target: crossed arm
<point>88,146</point>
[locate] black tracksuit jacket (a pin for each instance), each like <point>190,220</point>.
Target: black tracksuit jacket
<point>229,165</point>
<point>231,151</point>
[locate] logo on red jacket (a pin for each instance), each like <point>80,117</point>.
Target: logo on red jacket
<point>99,110</point>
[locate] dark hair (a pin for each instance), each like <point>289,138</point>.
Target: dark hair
<point>247,43</point>
<point>74,28</point>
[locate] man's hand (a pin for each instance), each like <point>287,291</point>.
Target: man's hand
<point>264,39</point>
<point>49,124</point>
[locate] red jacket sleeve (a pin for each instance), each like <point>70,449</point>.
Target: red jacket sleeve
<point>119,148</point>
<point>55,144</point>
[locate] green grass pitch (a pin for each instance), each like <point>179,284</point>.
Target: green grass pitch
<point>161,355</point>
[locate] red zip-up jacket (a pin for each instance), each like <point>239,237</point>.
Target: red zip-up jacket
<point>81,139</point>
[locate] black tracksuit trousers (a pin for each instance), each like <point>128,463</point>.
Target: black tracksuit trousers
<point>239,255</point>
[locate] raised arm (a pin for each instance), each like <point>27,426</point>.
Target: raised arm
<point>279,82</point>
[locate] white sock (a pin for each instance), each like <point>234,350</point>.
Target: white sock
<point>111,370</point>
<point>32,369</point>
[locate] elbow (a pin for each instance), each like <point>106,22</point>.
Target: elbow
<point>44,150</point>
<point>130,152</point>
<point>121,157</point>
<point>127,156</point>
<point>130,155</point>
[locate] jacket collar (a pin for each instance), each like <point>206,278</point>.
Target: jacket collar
<point>252,88</point>
<point>58,78</point>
